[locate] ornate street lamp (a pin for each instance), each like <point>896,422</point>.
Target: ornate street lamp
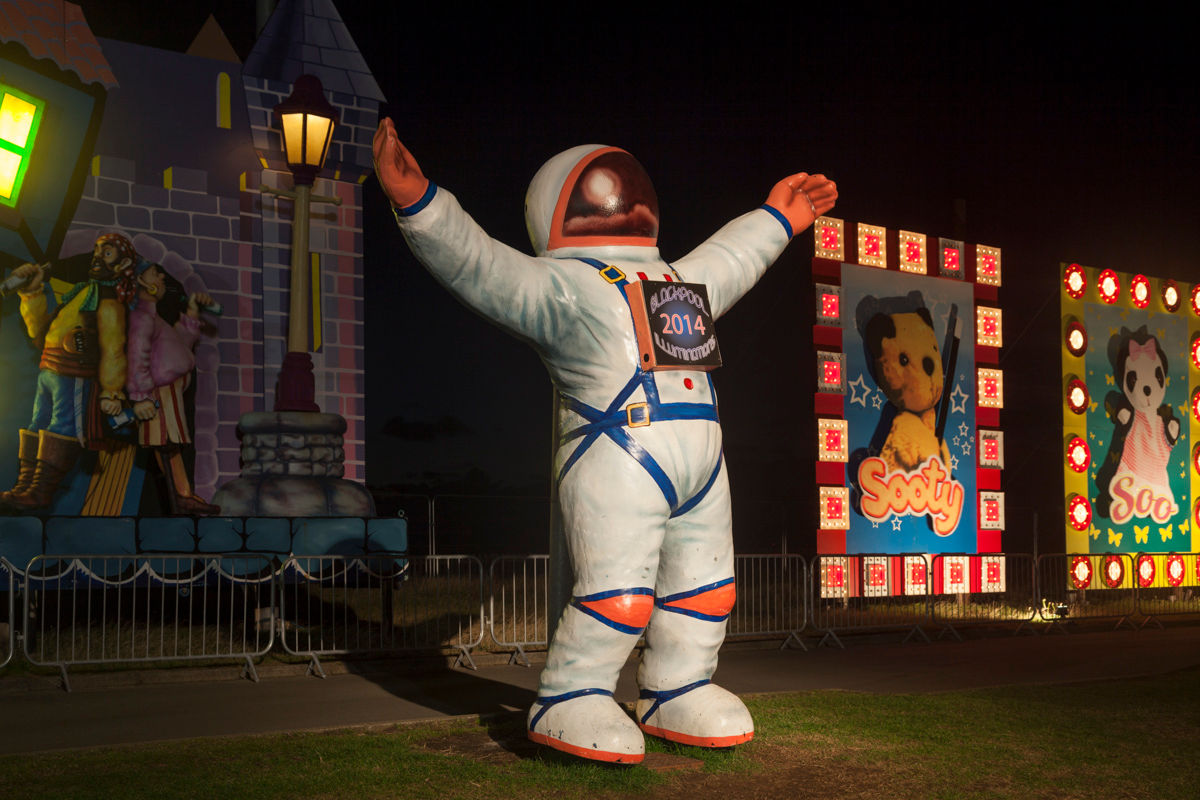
<point>306,120</point>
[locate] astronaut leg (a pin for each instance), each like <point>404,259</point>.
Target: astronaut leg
<point>614,516</point>
<point>695,593</point>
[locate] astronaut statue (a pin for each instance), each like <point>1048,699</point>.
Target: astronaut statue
<point>642,484</point>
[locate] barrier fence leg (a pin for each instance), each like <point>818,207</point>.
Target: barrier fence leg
<point>830,636</point>
<point>314,667</point>
<point>916,631</point>
<point>519,657</point>
<point>464,658</point>
<point>793,638</point>
<point>950,629</point>
<point>248,671</point>
<point>66,683</point>
<point>1147,621</point>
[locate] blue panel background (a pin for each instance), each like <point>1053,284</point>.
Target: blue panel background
<point>865,402</point>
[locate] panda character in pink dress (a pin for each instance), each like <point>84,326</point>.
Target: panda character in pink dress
<point>642,483</point>
<point>1133,480</point>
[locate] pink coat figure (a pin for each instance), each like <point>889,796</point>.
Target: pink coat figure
<point>160,364</point>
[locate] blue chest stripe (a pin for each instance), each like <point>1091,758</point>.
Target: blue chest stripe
<point>612,421</point>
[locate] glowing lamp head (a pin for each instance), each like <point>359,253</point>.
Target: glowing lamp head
<point>1079,455</point>
<point>1077,396</point>
<point>1195,299</point>
<point>1079,512</point>
<point>1196,352</point>
<point>1139,291</point>
<point>1109,286</point>
<point>1170,296</point>
<point>951,259</point>
<point>306,121</point>
<point>1075,281</point>
<point>1081,572</point>
<point>1077,339</point>
<point>1196,458</point>
<point>829,305</point>
<point>1145,568</point>
<point>1196,405</point>
<point>1114,571</point>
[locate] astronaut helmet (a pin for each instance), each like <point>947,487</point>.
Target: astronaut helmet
<point>591,196</point>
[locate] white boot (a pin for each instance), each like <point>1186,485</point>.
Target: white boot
<point>700,714</point>
<point>588,724</point>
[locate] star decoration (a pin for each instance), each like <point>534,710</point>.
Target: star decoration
<point>966,448</point>
<point>964,429</point>
<point>859,391</point>
<point>956,441</point>
<point>953,463</point>
<point>958,400</point>
<point>876,399</point>
<point>896,523</point>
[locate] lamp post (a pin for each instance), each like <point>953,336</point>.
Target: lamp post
<point>306,120</point>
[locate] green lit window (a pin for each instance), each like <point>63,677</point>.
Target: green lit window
<point>20,116</point>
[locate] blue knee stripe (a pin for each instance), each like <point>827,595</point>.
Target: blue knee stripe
<point>559,698</point>
<point>663,696</point>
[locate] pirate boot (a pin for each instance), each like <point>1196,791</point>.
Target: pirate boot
<point>179,489</point>
<point>56,455</point>
<point>27,458</point>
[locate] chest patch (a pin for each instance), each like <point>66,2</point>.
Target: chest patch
<point>674,325</point>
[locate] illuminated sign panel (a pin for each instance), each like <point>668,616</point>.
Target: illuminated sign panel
<point>909,399</point>
<point>20,118</point>
<point>1128,427</point>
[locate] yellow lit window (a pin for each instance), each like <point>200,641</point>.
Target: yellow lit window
<point>20,115</point>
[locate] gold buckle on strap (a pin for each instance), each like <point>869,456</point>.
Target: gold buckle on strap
<point>644,417</point>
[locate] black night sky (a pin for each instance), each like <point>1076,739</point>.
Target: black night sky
<point>1053,137</point>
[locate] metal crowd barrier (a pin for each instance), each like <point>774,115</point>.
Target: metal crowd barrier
<point>982,589</point>
<point>103,609</point>
<point>1168,584</point>
<point>381,603</point>
<point>1096,586</point>
<point>8,586</point>
<point>519,605</point>
<point>869,592</point>
<point>770,598</point>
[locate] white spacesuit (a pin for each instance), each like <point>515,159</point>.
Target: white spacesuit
<point>642,483</point>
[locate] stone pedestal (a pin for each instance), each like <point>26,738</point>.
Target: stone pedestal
<point>292,466</point>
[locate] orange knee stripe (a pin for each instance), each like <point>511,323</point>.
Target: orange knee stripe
<point>626,609</point>
<point>716,602</point>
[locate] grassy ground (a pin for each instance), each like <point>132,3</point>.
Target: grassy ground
<point>1127,739</point>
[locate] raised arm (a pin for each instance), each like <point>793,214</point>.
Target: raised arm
<point>733,259</point>
<point>520,293</point>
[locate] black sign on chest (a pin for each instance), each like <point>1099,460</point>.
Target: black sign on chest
<point>674,325</point>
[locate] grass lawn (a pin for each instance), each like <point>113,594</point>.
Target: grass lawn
<point>1124,739</point>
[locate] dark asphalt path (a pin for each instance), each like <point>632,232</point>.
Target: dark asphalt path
<point>144,706</point>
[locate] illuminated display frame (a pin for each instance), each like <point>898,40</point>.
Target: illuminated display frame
<point>1162,305</point>
<point>927,258</point>
<point>23,152</point>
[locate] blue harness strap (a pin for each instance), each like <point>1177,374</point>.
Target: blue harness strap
<point>661,697</point>
<point>612,421</point>
<point>546,702</point>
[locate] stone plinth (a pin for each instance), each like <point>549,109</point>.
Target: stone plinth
<point>292,466</point>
